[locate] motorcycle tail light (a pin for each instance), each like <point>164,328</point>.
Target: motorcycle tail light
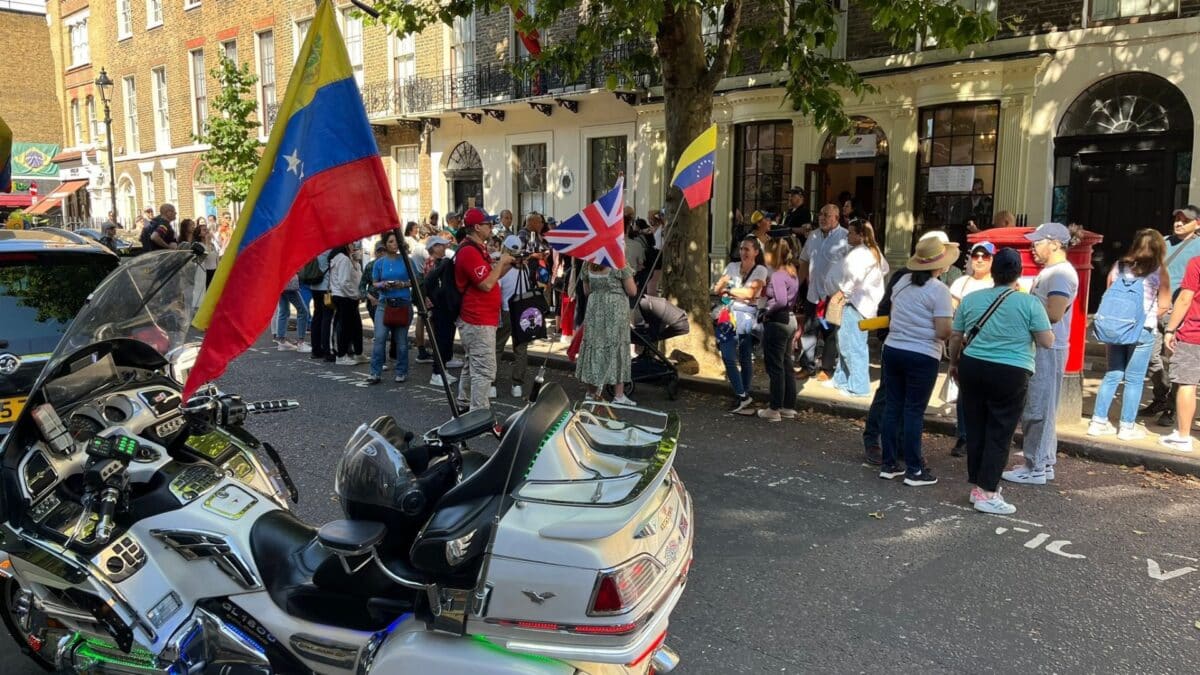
<point>621,588</point>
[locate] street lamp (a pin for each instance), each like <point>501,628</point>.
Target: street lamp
<point>105,84</point>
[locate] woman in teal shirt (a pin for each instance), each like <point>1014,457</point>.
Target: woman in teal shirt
<point>993,373</point>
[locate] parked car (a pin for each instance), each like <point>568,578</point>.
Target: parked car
<point>45,278</point>
<point>125,246</point>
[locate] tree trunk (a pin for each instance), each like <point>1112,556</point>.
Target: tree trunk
<point>688,104</point>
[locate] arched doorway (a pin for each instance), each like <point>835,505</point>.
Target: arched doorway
<point>464,177</point>
<point>127,209</point>
<point>1123,157</point>
<point>854,164</point>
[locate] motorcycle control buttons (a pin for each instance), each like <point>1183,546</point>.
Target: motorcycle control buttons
<point>123,559</point>
<point>40,510</point>
<point>194,481</point>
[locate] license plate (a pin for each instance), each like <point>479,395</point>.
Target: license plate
<point>10,409</point>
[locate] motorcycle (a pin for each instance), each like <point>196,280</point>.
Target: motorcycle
<point>146,534</point>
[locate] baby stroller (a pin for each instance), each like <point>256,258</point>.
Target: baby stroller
<point>656,319</point>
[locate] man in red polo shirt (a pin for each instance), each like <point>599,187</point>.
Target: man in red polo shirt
<point>478,281</point>
<point>1182,339</point>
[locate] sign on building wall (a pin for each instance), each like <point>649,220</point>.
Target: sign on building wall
<point>856,146</point>
<point>951,178</point>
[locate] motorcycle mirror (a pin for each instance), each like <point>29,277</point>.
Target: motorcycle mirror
<point>180,361</point>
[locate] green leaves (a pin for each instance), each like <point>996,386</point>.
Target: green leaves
<point>232,134</point>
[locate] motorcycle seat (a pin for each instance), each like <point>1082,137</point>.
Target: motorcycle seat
<point>468,425</point>
<point>351,537</point>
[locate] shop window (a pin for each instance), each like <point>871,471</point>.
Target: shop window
<point>956,167</point>
<point>606,159</point>
<point>762,166</point>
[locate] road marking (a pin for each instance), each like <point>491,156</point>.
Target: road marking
<point>1157,574</point>
<point>1182,557</point>
<point>1037,540</point>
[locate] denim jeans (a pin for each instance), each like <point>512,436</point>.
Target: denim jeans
<point>287,300</point>
<point>910,378</point>
<point>853,372</point>
<point>738,355</point>
<point>872,431</point>
<point>1128,363</point>
<point>777,357</point>
<point>379,348</point>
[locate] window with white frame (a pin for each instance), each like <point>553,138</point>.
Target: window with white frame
<point>154,15</point>
<point>76,123</point>
<point>171,186</point>
<point>199,91</point>
<point>529,8</point>
<point>93,121</point>
<point>124,19</point>
<point>531,179</point>
<point>190,4</point>
<point>352,32</point>
<point>462,44</point>
<point>1107,10</point>
<point>298,34</point>
<point>229,48</point>
<point>404,61</point>
<point>265,45</point>
<point>408,183</point>
<point>77,37</point>
<point>148,190</point>
<point>132,139</point>
<point>162,116</point>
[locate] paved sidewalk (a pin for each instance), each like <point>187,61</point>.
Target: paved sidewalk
<point>940,418</point>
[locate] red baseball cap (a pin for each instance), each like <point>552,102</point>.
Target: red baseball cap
<point>475,216</point>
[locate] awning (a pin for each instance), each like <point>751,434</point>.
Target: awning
<point>20,201</point>
<point>55,199</point>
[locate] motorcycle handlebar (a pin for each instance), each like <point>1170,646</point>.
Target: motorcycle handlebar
<point>108,506</point>
<point>278,405</point>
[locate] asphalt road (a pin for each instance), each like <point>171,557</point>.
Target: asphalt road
<point>807,562</point>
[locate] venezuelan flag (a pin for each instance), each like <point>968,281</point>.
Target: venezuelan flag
<point>5,157</point>
<point>320,184</point>
<point>694,172</point>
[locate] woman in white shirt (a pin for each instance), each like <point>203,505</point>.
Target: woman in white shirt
<point>920,324</point>
<point>862,283</point>
<point>980,278</point>
<point>344,275</point>
<point>741,285</point>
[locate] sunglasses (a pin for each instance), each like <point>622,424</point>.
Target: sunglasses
<point>981,256</point>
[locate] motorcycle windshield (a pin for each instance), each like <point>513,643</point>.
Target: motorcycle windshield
<point>604,456</point>
<point>151,299</point>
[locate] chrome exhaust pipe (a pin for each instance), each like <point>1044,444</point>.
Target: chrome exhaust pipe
<point>664,660</point>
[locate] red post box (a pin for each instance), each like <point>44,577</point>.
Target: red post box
<point>1070,404</point>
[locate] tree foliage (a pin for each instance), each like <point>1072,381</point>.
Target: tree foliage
<point>232,133</point>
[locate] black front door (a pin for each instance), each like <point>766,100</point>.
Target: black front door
<point>1115,194</point>
<point>464,191</point>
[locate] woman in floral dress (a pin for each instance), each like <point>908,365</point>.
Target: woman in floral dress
<point>604,352</point>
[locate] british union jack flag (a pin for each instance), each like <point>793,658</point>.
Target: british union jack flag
<point>597,233</point>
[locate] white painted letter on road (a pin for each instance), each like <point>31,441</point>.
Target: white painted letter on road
<point>1156,572</point>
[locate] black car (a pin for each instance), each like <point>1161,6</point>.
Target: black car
<point>45,277</point>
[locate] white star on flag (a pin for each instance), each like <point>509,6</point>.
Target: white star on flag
<point>293,161</point>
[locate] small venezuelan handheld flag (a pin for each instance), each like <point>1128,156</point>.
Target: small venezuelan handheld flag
<point>320,184</point>
<point>694,172</point>
<point>5,157</point>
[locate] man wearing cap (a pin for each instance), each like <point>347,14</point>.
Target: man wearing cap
<point>478,280</point>
<point>798,218</point>
<point>823,250</point>
<point>508,287</point>
<point>1056,285</point>
<point>1182,246</point>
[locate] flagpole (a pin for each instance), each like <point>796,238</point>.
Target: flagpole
<point>418,295</point>
<point>637,299</point>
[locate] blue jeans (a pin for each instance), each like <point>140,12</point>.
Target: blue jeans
<point>909,378</point>
<point>379,349</point>
<point>738,355</point>
<point>287,300</point>
<point>853,372</point>
<point>1128,363</point>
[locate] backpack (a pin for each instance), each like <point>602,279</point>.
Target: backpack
<point>1122,312</point>
<point>312,274</point>
<point>442,290</point>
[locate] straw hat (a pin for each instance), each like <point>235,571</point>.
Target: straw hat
<point>932,254</point>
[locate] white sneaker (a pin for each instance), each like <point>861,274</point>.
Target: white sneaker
<point>517,392</point>
<point>362,358</point>
<point>304,348</point>
<point>437,381</point>
<point>829,384</point>
<point>454,363</point>
<point>346,361</point>
<point>769,415</point>
<point>492,392</point>
<point>284,346</point>
<point>1049,473</point>
<point>1101,428</point>
<point>1176,442</point>
<point>788,414</point>
<point>1131,431</point>
<point>996,506</point>
<point>1025,475</point>
<point>624,400</point>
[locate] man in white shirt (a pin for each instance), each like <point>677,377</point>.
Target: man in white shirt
<point>823,252</point>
